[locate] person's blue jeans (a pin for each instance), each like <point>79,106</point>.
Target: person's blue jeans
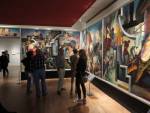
<point>39,74</point>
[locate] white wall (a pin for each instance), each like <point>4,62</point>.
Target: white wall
<point>13,47</point>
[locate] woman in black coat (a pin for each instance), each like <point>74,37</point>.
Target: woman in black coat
<point>4,64</point>
<point>80,69</point>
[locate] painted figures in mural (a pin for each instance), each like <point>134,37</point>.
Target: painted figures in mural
<point>93,48</point>
<point>10,32</point>
<point>111,43</point>
<point>127,42</point>
<point>32,38</point>
<point>48,42</point>
<point>70,41</point>
<point>137,45</point>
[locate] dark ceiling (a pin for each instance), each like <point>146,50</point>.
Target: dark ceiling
<point>42,12</point>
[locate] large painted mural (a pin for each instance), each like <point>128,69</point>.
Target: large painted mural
<point>93,43</point>
<point>32,37</point>
<point>135,24</point>
<point>49,41</point>
<point>126,48</point>
<point>83,40</point>
<point>70,40</point>
<point>111,42</point>
<point>9,33</point>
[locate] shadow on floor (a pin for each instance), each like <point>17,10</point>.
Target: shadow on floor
<point>78,108</point>
<point>3,110</point>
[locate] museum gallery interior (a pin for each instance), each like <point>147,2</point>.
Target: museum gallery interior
<point>114,35</point>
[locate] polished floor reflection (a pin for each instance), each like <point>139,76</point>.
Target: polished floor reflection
<point>13,97</point>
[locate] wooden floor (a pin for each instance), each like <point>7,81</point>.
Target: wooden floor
<point>14,98</point>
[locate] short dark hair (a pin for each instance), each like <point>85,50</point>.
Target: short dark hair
<point>75,51</point>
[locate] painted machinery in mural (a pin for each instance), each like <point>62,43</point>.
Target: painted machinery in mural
<point>134,24</point>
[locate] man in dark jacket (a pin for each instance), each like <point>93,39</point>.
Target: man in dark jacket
<point>28,69</point>
<point>38,62</point>
<point>4,64</point>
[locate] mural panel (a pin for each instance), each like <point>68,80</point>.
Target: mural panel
<point>32,38</point>
<point>70,41</point>
<point>126,48</point>
<point>136,45</point>
<point>93,48</point>
<point>111,43</point>
<point>49,42</point>
<point>9,33</point>
<point>83,40</point>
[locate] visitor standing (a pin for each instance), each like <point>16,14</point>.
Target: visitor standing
<point>27,62</point>
<point>73,63</point>
<point>38,63</point>
<point>60,64</point>
<point>4,64</point>
<point>81,68</point>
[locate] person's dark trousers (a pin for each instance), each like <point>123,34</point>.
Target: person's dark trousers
<point>78,83</point>
<point>39,74</point>
<point>5,70</point>
<point>29,82</point>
